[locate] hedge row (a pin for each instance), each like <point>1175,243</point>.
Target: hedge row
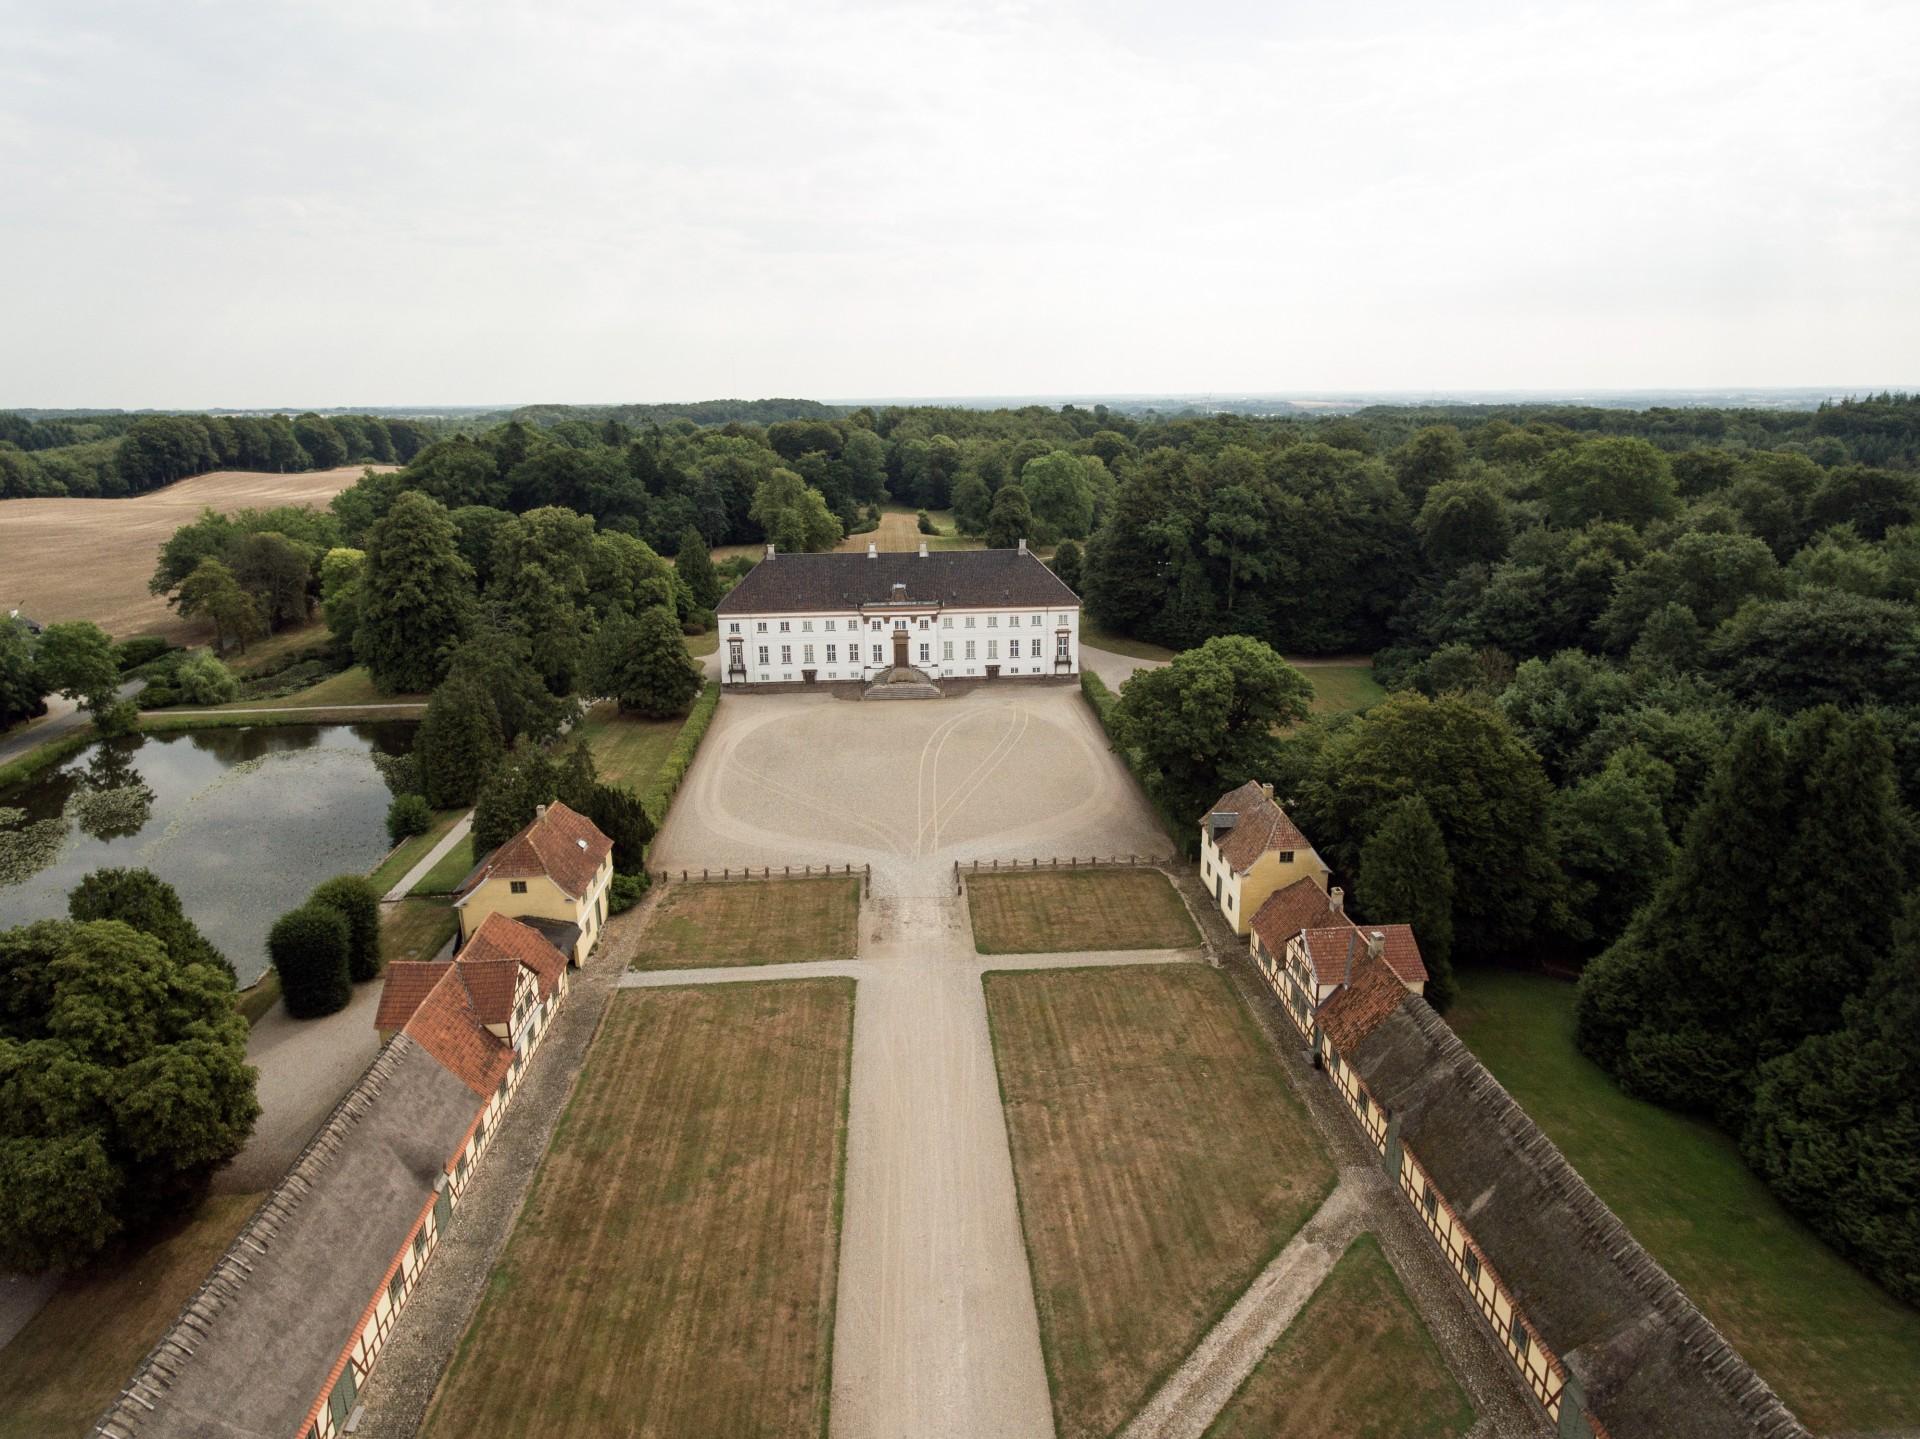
<point>679,759</point>
<point>1102,700</point>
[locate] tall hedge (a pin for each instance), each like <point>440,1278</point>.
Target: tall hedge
<point>679,759</point>
<point>309,947</point>
<point>355,900</point>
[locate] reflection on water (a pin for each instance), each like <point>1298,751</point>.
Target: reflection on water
<point>242,822</point>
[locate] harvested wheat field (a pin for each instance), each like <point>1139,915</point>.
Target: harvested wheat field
<point>674,1269</point>
<point>1161,1162</point>
<point>90,559</point>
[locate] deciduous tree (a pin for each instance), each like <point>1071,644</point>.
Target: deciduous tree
<point>418,598</point>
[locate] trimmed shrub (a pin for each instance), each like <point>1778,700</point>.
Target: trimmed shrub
<point>309,949</point>
<point>355,900</point>
<point>927,526</point>
<point>626,891</point>
<point>408,815</point>
<point>679,759</point>
<point>140,650</point>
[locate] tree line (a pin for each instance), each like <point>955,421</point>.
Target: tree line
<point>114,456</point>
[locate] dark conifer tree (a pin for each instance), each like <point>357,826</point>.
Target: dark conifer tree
<point>1406,878</point>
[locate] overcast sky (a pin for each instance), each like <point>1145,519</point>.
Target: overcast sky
<point>395,202</point>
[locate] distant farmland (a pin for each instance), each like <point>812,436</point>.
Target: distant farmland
<point>90,559</point>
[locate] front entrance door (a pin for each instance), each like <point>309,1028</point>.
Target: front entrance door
<point>900,649</point>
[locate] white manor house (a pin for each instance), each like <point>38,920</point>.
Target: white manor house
<point>802,619</point>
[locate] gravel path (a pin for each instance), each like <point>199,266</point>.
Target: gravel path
<point>1197,1391</point>
<point>420,871</point>
<point>437,1314</point>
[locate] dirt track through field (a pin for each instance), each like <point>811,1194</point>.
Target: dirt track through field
<point>90,559</point>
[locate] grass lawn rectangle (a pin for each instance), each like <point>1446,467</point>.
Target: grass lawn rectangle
<point>1049,911</point>
<point>414,928</point>
<point>412,850</point>
<point>71,1359</point>
<point>773,921</point>
<point>1357,1361</point>
<point>1161,1162</point>
<point>447,872</point>
<point>674,1269</point>
<point>1340,689</point>
<point>627,750</point>
<point>1841,1351</point>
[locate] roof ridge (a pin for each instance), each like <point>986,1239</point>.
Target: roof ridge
<point>155,1374</point>
<point>1606,1233</point>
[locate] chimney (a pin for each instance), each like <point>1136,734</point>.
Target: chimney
<point>873,550</point>
<point>1023,546</point>
<point>539,813</point>
<point>1337,900</point>
<point>1376,944</point>
<point>769,551</point>
<point>923,549</point>
<point>1267,790</point>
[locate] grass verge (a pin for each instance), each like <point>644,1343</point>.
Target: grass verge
<point>627,750</point>
<point>702,645</point>
<point>410,851</point>
<point>1842,1352</point>
<point>414,929</point>
<point>46,756</point>
<point>776,921</point>
<point>448,870</point>
<point>677,1256</point>
<point>1356,1361</point>
<point>1161,1162</point>
<point>71,1359</point>
<point>1054,910</point>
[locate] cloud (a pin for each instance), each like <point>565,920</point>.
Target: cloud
<point>359,203</point>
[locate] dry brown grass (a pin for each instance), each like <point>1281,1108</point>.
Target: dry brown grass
<point>777,921</point>
<point>90,559</point>
<point>1050,911</point>
<point>1356,1362</point>
<point>673,1271</point>
<point>1161,1161</point>
<point>73,1356</point>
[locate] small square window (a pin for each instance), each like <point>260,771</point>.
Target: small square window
<point>516,886</point>
<point>1286,856</point>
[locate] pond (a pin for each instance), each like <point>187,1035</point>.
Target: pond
<point>242,822</point>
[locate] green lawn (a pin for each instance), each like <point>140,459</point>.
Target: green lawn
<point>453,867</point>
<point>349,687</point>
<point>1091,633</point>
<point>410,852</point>
<point>1838,1349</point>
<point>414,929</point>
<point>1339,689</point>
<point>1356,1362</point>
<point>702,645</point>
<point>627,750</point>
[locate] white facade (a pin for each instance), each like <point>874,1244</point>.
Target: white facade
<point>859,644</point>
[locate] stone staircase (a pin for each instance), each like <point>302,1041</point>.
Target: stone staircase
<point>902,682</point>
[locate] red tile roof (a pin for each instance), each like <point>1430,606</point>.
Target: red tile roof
<point>407,982</point>
<point>1353,1013</point>
<point>1335,951</point>
<point>560,844</point>
<point>449,1027</point>
<point>491,984</point>
<point>1261,825</point>
<point>1290,909</point>
<point>502,937</point>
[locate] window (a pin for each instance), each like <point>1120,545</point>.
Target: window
<point>1362,1103</point>
<point>516,886</point>
<point>829,626</point>
<point>969,621</point>
<point>946,622</point>
<point>1033,621</point>
<point>900,624</point>
<point>1470,1262</point>
<point>396,1290</point>
<point>420,1241</point>
<point>806,654</point>
<point>763,651</point>
<point>1060,647</point>
<point>733,627</point>
<point>1013,649</point>
<point>1518,1330</point>
<point>879,653</point>
<point>926,652</point>
<point>806,627</point>
<point>993,622</point>
<point>946,649</point>
<point>924,623</point>
<point>993,649</point>
<point>969,649</point>
<point>1286,856</point>
<point>786,654</point>
<point>876,624</point>
<point>785,628</point>
<point>1060,620</point>
<point>1429,1201</point>
<point>833,654</point>
<point>759,627</point>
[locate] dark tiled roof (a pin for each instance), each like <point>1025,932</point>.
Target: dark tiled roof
<point>1651,1364</point>
<point>250,1351</point>
<point>559,933</point>
<point>796,584</point>
<point>1260,825</point>
<point>561,844</point>
<point>523,941</point>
